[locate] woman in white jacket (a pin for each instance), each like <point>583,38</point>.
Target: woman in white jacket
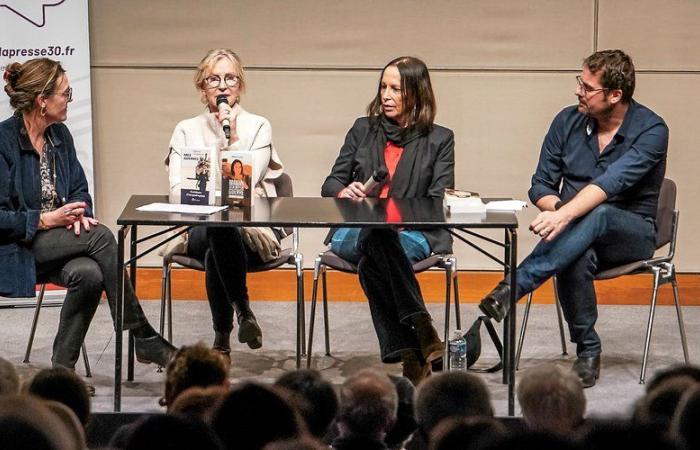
<point>227,251</point>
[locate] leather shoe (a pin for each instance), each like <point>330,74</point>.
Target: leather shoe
<point>222,345</point>
<point>431,346</point>
<point>497,303</point>
<point>154,349</point>
<point>413,368</point>
<point>587,368</point>
<point>249,331</point>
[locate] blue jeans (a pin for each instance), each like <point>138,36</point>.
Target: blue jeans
<point>604,238</point>
<point>345,240</point>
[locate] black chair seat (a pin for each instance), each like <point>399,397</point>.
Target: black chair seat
<point>193,263</point>
<point>334,261</point>
<point>625,269</point>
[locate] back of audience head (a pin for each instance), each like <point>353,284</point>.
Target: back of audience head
<point>684,427</point>
<point>451,394</point>
<point>9,380</point>
<point>302,443</point>
<point>64,386</point>
<point>657,407</point>
<point>173,433</point>
<point>252,415</point>
<point>681,370</point>
<point>315,398</point>
<point>197,402</point>
<point>551,399</point>
<point>616,435</point>
<point>470,433</point>
<point>75,430</point>
<point>405,423</point>
<point>193,365</point>
<point>368,405</point>
<point>535,440</point>
<point>26,422</point>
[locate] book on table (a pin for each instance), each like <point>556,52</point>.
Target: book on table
<point>460,201</point>
<point>237,175</point>
<point>197,176</point>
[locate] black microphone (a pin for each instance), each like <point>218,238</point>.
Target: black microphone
<point>377,178</point>
<point>220,101</point>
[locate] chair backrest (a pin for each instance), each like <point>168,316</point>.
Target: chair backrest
<point>283,186</point>
<point>665,213</point>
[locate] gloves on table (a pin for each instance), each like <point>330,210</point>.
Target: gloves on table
<point>263,241</point>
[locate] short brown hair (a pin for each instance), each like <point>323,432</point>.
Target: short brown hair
<point>194,365</point>
<point>416,93</point>
<point>211,58</point>
<point>24,82</point>
<point>618,71</point>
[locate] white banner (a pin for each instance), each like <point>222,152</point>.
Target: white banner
<point>56,29</point>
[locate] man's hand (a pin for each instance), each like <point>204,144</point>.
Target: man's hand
<point>549,224</point>
<point>353,190</point>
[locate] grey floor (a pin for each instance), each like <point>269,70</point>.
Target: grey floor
<point>354,346</point>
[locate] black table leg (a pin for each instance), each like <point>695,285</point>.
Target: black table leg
<point>132,278</point>
<point>119,320</point>
<point>511,260</point>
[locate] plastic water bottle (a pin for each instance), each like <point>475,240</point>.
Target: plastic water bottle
<point>458,351</point>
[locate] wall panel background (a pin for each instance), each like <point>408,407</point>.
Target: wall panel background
<point>501,71</point>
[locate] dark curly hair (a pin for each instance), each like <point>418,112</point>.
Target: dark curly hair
<point>618,71</point>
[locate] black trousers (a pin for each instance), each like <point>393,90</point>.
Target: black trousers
<point>394,295</point>
<point>226,261</point>
<point>86,265</point>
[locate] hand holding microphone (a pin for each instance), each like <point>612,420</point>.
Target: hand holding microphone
<point>360,190</point>
<point>224,111</point>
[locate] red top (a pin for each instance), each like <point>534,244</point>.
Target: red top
<point>392,155</point>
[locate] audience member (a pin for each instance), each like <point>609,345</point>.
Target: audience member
<point>64,386</point>
<point>657,407</point>
<point>26,422</point>
<point>317,401</point>
<point>551,399</point>
<point>610,435</point>
<point>172,433</point>
<point>198,403</point>
<point>71,424</point>
<point>193,365</point>
<point>448,394</point>
<point>535,440</point>
<point>471,433</point>
<point>684,427</point>
<point>680,370</point>
<point>9,380</point>
<point>252,415</point>
<point>368,405</point>
<point>302,443</point>
<point>405,423</point>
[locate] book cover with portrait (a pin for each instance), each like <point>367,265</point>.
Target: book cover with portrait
<point>236,178</point>
<point>197,176</point>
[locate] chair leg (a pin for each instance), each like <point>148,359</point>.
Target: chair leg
<point>130,356</point>
<point>163,293</point>
<point>681,326</point>
<point>32,332</point>
<point>650,325</point>
<point>448,298</point>
<point>86,361</point>
<point>458,316</point>
<point>523,327</point>
<point>312,317</point>
<point>557,305</point>
<point>326,326</point>
<point>301,332</point>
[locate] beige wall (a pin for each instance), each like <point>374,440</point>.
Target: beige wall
<point>501,71</point>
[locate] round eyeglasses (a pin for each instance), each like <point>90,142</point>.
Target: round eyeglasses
<point>214,81</point>
<point>586,88</point>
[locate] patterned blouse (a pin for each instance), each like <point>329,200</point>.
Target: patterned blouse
<point>47,167</point>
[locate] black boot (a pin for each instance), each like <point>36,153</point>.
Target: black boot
<point>249,331</point>
<point>497,303</point>
<point>587,368</point>
<point>154,349</point>
<point>222,345</point>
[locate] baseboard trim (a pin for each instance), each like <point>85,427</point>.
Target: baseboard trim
<point>280,285</point>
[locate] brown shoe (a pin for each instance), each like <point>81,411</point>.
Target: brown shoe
<point>431,346</point>
<point>413,368</point>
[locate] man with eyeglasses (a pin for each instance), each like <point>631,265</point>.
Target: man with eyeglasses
<point>597,186</point>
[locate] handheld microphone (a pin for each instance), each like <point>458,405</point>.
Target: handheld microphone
<point>222,100</point>
<point>377,178</point>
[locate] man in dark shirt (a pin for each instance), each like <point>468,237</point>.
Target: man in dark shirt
<point>597,186</point>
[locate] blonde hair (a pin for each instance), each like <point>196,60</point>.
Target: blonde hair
<point>24,82</point>
<point>211,58</point>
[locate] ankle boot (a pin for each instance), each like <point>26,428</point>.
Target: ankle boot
<point>249,331</point>
<point>154,349</point>
<point>413,368</point>
<point>222,345</point>
<point>431,346</point>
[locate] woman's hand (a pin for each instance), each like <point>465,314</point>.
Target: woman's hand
<point>231,115</point>
<point>353,190</point>
<point>86,223</point>
<point>64,216</point>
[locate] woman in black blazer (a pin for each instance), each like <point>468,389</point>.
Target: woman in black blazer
<point>398,135</point>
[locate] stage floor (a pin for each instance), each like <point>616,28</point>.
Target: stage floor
<point>354,346</point>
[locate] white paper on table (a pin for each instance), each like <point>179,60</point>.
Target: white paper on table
<point>180,208</point>
<point>506,205</point>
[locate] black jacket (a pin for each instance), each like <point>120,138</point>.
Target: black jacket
<point>422,171</point>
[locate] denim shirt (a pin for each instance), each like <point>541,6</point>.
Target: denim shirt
<point>629,170</point>
<point>20,198</point>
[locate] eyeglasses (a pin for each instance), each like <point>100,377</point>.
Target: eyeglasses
<point>214,81</point>
<point>68,94</point>
<point>587,89</point>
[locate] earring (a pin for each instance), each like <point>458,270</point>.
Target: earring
<point>43,110</point>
